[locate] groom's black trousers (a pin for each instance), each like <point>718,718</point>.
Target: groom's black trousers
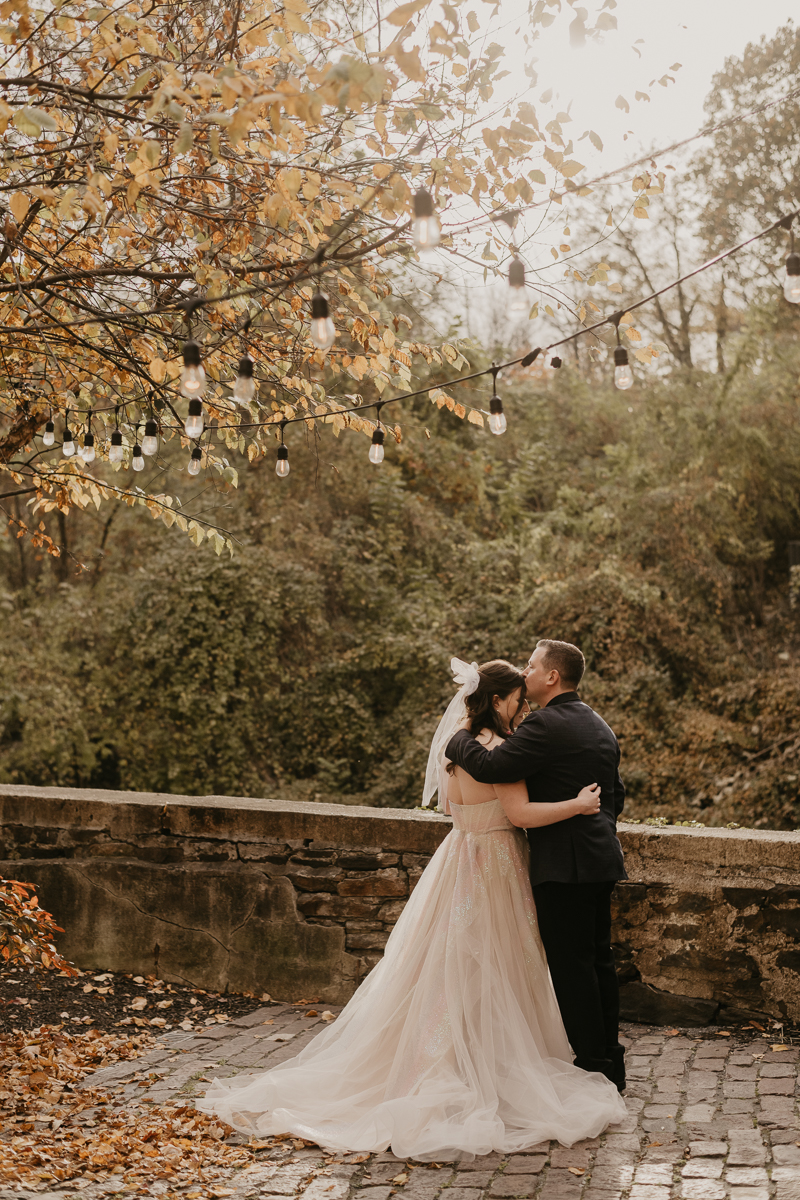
<point>575,925</point>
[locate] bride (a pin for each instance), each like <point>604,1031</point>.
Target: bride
<point>453,1046</point>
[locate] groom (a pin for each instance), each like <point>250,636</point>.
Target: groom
<point>574,863</point>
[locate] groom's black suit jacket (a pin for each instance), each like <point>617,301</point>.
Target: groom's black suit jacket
<point>557,751</point>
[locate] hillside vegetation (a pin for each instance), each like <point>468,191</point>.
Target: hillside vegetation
<point>650,527</point>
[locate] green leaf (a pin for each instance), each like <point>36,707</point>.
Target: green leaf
<point>32,121</point>
<point>139,84</point>
<point>185,139</point>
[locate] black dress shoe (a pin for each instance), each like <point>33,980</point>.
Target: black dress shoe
<point>602,1066</point>
<point>617,1056</point>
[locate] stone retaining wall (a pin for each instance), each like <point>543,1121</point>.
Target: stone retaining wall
<point>297,900</point>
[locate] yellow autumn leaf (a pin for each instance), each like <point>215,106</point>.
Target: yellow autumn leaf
<point>409,63</point>
<point>148,42</point>
<point>158,370</point>
<point>19,205</point>
<point>404,13</point>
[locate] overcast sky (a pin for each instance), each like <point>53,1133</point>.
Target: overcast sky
<point>699,34</point>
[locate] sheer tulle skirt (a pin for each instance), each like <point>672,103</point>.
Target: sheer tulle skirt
<point>453,1045</point>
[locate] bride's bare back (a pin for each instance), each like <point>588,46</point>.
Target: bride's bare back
<point>463,789</point>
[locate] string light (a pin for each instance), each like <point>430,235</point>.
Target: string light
<point>322,331</point>
<point>137,458</point>
<point>497,418</point>
<point>194,421</point>
<point>196,461</point>
<point>282,467</point>
<point>87,450</point>
<point>150,439</point>
<point>244,389</point>
<point>623,375</point>
<point>426,235</point>
<point>376,449</point>
<point>67,442</point>
<point>425,229</point>
<point>516,285</point>
<point>193,377</point>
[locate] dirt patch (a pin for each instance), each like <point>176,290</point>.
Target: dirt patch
<point>110,1000</point>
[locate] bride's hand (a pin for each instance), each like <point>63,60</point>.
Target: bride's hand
<point>588,800</point>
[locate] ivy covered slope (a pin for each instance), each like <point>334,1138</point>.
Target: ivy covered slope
<point>650,527</point>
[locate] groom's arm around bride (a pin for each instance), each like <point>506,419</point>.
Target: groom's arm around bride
<point>574,864</point>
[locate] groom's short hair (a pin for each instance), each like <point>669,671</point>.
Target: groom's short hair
<point>564,658</point>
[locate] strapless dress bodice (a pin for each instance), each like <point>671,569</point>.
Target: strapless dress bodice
<point>488,817</point>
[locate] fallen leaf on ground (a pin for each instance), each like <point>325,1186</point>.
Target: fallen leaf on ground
<point>576,1170</point>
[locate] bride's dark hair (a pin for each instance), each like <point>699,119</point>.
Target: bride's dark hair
<point>498,678</point>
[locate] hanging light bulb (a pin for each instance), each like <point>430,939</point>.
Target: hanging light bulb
<point>322,331</point>
<point>150,439</point>
<point>67,443</point>
<point>194,421</point>
<point>282,465</point>
<point>497,418</point>
<point>791,286</point>
<point>193,377</point>
<point>623,375</point>
<point>137,458</point>
<point>87,451</point>
<point>425,227</point>
<point>115,449</point>
<point>244,389</point>
<point>376,449</point>
<point>196,461</point>
<point>516,285</point>
<point>49,435</point>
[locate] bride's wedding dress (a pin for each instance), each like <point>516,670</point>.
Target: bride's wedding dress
<point>453,1046</point>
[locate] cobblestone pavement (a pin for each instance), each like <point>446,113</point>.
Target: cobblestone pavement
<point>710,1117</point>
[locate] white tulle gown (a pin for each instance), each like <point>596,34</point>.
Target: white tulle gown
<point>453,1046</point>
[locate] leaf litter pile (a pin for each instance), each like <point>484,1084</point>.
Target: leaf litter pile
<point>53,1134</point>
<point>54,1032</point>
